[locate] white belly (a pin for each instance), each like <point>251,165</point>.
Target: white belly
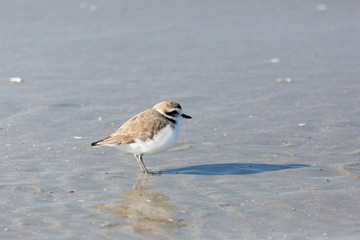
<point>164,140</point>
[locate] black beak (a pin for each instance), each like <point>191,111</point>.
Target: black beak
<point>186,116</point>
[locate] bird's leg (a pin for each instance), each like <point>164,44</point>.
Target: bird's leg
<point>141,163</point>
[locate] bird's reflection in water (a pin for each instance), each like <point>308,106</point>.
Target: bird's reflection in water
<point>150,213</point>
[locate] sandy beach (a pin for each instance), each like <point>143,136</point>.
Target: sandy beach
<point>272,151</point>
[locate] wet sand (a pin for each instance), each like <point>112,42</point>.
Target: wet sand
<point>272,151</point>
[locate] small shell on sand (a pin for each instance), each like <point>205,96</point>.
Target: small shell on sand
<point>274,60</point>
<point>284,80</point>
<point>15,80</point>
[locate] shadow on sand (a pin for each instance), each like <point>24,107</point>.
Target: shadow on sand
<point>231,169</point>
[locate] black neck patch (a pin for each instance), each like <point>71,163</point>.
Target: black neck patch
<point>170,119</point>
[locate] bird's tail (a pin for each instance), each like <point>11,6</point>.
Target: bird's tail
<point>100,142</point>
<point>94,144</point>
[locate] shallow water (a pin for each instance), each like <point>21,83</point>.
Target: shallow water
<point>263,157</point>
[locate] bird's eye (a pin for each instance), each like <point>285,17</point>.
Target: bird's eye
<point>172,113</point>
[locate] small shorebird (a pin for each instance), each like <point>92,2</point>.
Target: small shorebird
<point>149,132</point>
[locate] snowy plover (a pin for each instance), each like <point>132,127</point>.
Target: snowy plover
<point>149,132</point>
